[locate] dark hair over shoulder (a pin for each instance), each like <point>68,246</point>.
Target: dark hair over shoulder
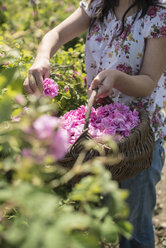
<point>104,6</point>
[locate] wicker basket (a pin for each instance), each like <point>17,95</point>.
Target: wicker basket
<point>136,149</point>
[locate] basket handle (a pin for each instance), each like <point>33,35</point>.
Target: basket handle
<point>89,108</point>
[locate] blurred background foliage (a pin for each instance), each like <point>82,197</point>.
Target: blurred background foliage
<point>38,205</point>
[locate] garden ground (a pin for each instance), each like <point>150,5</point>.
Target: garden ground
<point>160,211</point>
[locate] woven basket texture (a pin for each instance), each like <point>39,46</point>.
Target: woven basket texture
<point>136,151</point>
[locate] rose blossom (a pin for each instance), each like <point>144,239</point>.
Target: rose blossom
<point>45,125</point>
<point>50,88</point>
<point>113,119</point>
<point>53,139</point>
<point>59,144</point>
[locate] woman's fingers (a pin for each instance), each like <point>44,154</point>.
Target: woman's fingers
<point>37,73</point>
<point>102,92</point>
<point>46,74</point>
<point>32,82</point>
<point>27,87</point>
<point>33,85</point>
<point>39,80</point>
<point>103,83</point>
<point>97,81</point>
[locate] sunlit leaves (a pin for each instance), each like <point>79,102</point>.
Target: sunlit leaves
<point>39,208</point>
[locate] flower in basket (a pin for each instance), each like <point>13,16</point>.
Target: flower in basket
<point>114,119</point>
<point>50,88</point>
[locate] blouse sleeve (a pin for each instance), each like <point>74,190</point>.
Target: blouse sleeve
<point>88,9</point>
<point>155,23</point>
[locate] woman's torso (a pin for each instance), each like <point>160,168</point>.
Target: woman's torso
<point>105,50</point>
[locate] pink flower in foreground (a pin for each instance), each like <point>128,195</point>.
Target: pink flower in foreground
<point>59,144</point>
<point>50,88</point>
<point>45,125</point>
<point>52,138</point>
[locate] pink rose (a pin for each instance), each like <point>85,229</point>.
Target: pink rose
<point>59,144</point>
<point>45,125</point>
<point>113,119</point>
<point>50,88</point>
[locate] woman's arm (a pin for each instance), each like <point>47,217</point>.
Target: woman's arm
<point>141,85</point>
<point>70,28</point>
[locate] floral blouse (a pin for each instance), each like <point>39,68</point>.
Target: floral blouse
<point>103,50</point>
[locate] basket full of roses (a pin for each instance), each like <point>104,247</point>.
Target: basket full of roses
<point>131,131</point>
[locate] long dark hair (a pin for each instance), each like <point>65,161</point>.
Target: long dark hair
<point>104,6</point>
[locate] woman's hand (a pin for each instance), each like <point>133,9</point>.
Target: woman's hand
<point>104,82</point>
<point>37,73</point>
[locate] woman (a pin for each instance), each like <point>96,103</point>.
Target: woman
<point>125,59</point>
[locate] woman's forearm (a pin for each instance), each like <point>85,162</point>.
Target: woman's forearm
<point>70,28</point>
<point>49,45</point>
<point>137,86</point>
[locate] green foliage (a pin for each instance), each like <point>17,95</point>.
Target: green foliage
<point>26,26</point>
<point>68,70</point>
<point>38,206</point>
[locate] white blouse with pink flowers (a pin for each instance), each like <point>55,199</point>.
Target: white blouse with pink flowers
<point>105,50</point>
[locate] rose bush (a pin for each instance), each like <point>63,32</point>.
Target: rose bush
<point>36,197</point>
<point>39,208</point>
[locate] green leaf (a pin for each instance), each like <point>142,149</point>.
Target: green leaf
<point>5,108</point>
<point>125,228</point>
<point>109,230</point>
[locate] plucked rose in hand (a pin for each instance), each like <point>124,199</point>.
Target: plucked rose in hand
<point>50,88</point>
